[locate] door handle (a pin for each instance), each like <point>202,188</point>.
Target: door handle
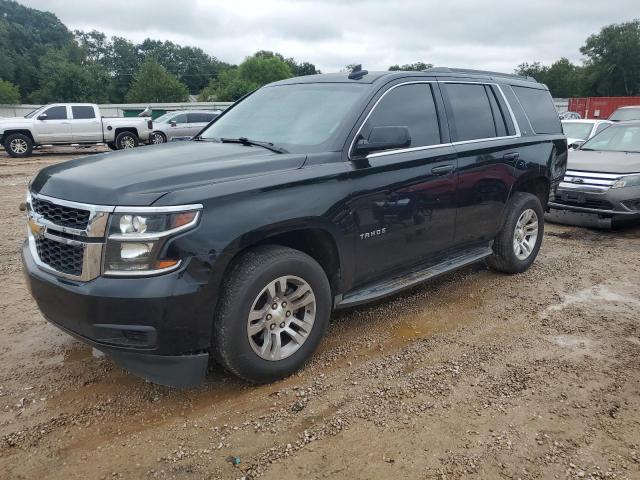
<point>443,169</point>
<point>511,156</point>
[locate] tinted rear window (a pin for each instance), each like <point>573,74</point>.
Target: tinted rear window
<point>538,105</point>
<point>471,111</point>
<point>201,117</point>
<point>82,112</point>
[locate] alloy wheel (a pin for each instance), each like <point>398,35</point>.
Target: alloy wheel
<point>281,318</point>
<point>127,142</point>
<point>525,234</point>
<point>18,146</point>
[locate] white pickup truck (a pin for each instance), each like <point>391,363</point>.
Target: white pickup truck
<point>71,124</point>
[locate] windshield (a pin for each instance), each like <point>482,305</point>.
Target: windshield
<point>617,138</point>
<point>164,118</point>
<point>623,114</point>
<point>297,117</point>
<point>33,112</point>
<point>577,130</point>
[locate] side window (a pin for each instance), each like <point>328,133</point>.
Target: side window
<point>409,106</point>
<point>498,117</point>
<point>82,112</point>
<point>56,113</point>
<point>200,117</point>
<point>471,111</point>
<point>539,107</point>
<point>182,118</point>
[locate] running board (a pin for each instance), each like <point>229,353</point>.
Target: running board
<point>411,278</point>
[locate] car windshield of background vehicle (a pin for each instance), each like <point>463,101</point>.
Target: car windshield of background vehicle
<point>164,118</point>
<point>624,114</point>
<point>577,130</point>
<point>616,139</point>
<point>295,117</point>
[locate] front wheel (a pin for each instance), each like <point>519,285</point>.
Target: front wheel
<point>274,309</point>
<point>126,140</point>
<point>158,138</point>
<point>518,243</point>
<point>18,145</point>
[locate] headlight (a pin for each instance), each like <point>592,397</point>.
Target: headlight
<point>136,239</point>
<point>628,181</point>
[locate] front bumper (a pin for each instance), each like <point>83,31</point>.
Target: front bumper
<point>156,327</point>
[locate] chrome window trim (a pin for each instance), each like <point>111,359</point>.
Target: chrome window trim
<point>518,133</point>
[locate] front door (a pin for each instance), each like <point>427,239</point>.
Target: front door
<point>55,127</point>
<point>404,206</point>
<point>178,127</point>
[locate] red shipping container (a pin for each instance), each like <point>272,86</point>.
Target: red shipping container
<point>600,107</point>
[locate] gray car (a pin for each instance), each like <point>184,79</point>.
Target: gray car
<point>181,124</point>
<point>601,187</point>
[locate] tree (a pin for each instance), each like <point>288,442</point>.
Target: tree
<point>152,83</point>
<point>563,78</point>
<point>256,71</point>
<point>9,93</point>
<point>411,67</point>
<point>613,60</point>
<point>63,78</point>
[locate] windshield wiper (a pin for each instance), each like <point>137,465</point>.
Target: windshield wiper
<point>249,143</point>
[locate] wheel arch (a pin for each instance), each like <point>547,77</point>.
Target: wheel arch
<point>25,132</point>
<point>119,130</point>
<point>538,185</point>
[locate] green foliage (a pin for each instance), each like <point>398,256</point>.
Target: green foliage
<point>9,93</point>
<point>153,83</point>
<point>613,60</point>
<point>257,70</point>
<point>62,78</point>
<point>411,67</point>
<point>611,67</point>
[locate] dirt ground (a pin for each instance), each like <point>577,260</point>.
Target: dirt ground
<point>475,375</point>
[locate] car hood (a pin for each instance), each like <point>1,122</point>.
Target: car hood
<point>604,162</point>
<point>140,176</point>
<point>13,121</point>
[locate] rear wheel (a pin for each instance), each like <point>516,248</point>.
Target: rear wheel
<point>273,312</point>
<point>157,138</point>
<point>126,140</point>
<point>517,245</point>
<point>18,145</point>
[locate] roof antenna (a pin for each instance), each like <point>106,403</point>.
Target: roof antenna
<point>357,73</point>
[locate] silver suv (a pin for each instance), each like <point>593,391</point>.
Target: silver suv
<point>181,124</point>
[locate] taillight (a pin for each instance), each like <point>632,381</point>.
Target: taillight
<point>150,124</point>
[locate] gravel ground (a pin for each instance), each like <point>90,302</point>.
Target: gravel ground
<point>475,375</point>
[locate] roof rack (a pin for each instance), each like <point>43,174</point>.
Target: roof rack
<point>466,71</point>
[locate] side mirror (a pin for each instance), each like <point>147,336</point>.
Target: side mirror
<point>42,116</point>
<point>383,138</point>
<point>173,123</point>
<point>577,144</point>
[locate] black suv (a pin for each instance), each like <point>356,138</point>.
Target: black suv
<point>308,195</point>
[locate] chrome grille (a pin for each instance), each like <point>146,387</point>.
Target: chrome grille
<point>61,257</point>
<point>589,181</point>
<point>61,215</point>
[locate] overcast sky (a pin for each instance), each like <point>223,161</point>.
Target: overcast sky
<point>489,34</point>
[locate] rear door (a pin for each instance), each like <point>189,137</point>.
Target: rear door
<point>485,138</point>
<point>85,124</point>
<point>55,128</point>
<point>404,203</point>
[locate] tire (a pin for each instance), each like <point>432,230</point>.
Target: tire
<point>18,145</point>
<point>509,252</point>
<point>111,145</point>
<point>126,140</point>
<point>245,291</point>
<point>157,138</point>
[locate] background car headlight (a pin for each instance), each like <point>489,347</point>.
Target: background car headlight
<point>628,181</point>
<point>136,239</point>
